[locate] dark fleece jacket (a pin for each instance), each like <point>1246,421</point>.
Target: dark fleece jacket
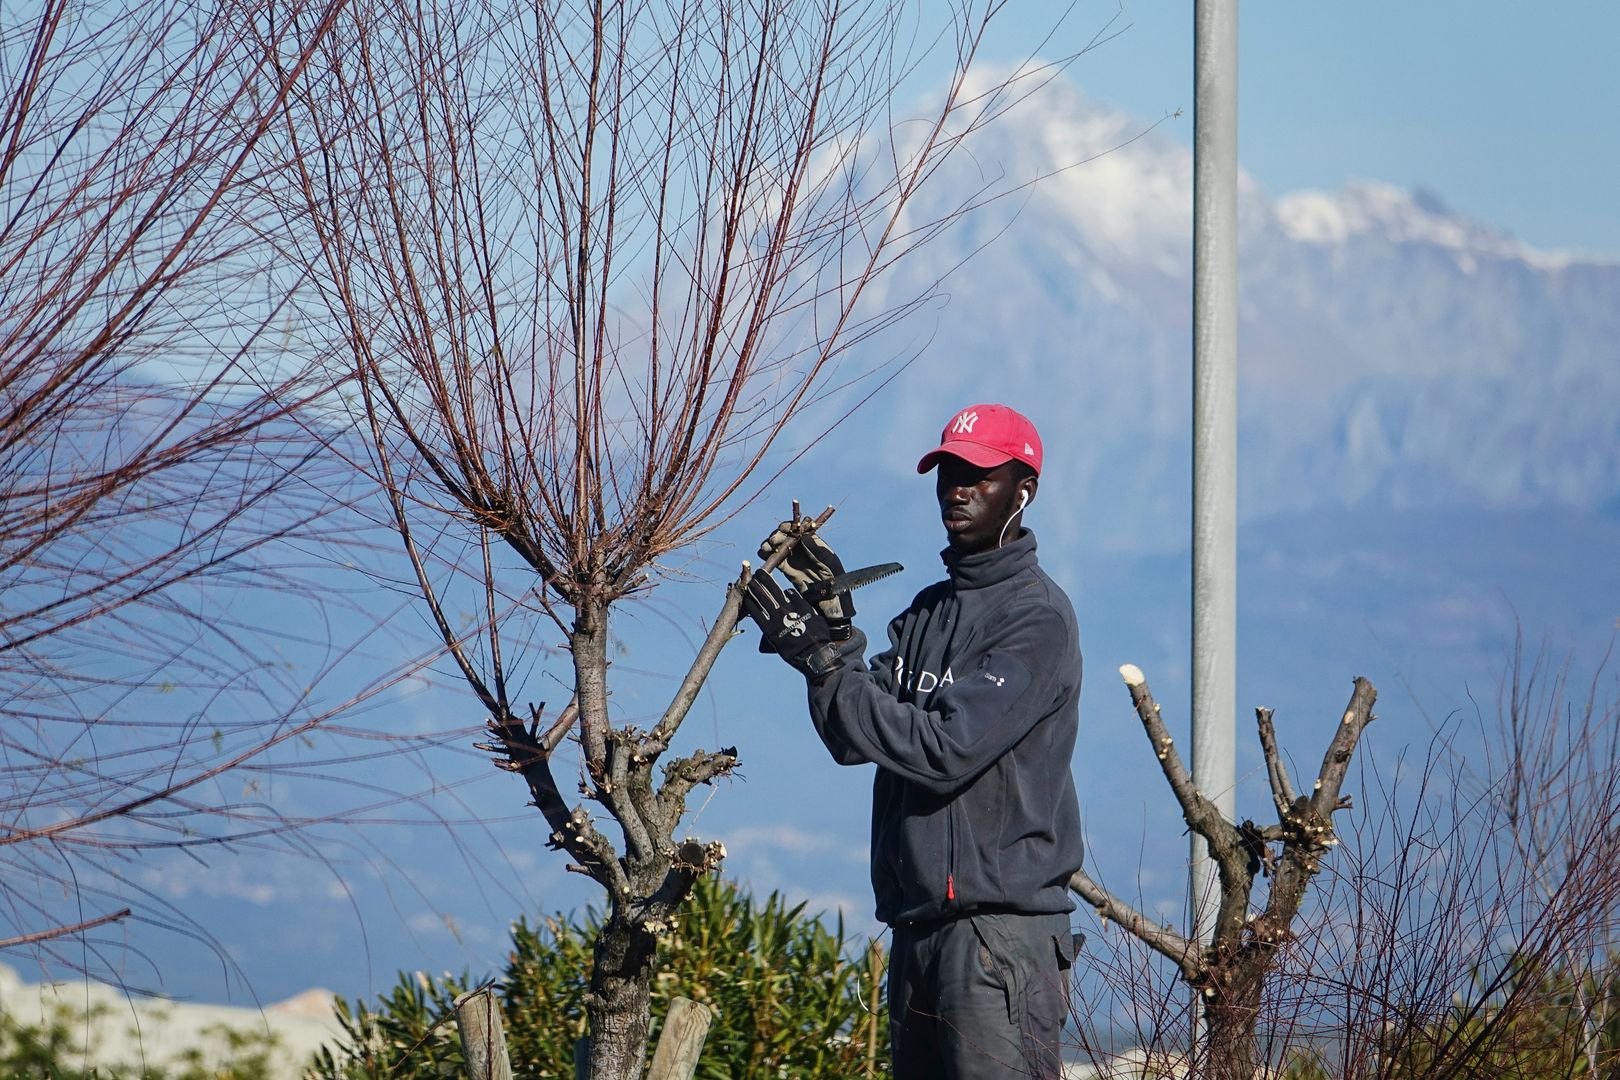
<point>970,716</point>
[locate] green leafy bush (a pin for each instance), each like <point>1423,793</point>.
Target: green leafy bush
<point>793,997</point>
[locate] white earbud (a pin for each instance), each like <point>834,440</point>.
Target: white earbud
<point>1023,501</point>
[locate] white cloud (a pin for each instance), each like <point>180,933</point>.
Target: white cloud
<point>263,880</point>
<point>761,841</point>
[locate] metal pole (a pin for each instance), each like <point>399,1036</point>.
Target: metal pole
<point>1214,539</point>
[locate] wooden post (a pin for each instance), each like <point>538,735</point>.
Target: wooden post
<point>582,1057</point>
<point>483,1039</point>
<point>876,965</point>
<point>681,1042</point>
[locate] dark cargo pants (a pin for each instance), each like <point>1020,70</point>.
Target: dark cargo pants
<point>979,996</point>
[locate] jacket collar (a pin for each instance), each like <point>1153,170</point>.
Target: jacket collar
<point>991,567</point>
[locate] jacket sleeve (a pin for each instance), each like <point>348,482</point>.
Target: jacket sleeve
<point>880,672</point>
<point>967,724</point>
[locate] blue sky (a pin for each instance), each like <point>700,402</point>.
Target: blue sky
<point>1507,110</point>
<point>1505,114</point>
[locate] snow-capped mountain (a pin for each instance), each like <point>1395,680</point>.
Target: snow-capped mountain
<point>1392,352</point>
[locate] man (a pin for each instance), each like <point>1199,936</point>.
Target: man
<point>970,716</point>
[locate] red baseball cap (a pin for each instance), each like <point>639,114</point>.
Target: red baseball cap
<point>987,436</point>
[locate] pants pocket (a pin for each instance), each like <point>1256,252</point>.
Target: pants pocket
<point>1000,956</point>
<point>1067,945</point>
<point>1032,963</point>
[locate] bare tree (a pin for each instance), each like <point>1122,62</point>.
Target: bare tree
<point>586,262</point>
<point>145,453</point>
<point>1230,971</point>
<point>1466,927</point>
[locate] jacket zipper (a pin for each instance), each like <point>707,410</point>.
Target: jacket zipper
<point>953,623</point>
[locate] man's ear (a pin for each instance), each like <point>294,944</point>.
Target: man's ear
<point>1026,490</point>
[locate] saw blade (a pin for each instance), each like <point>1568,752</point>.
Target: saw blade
<point>854,579</point>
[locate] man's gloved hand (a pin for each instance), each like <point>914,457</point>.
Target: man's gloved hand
<point>790,626</point>
<point>808,562</point>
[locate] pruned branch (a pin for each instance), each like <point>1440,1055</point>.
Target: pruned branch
<point>1307,823</point>
<point>684,774</point>
<point>526,753</point>
<point>1230,971</point>
<point>1200,813</point>
<point>721,632</point>
<point>559,728</point>
<point>1182,952</point>
<point>1357,715</point>
<point>1282,788</point>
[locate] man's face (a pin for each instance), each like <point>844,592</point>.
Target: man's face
<point>975,503</point>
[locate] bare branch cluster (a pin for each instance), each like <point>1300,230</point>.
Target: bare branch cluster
<point>1230,970</point>
<point>1466,927</point>
<point>1302,835</point>
<point>137,437</point>
<point>145,456</point>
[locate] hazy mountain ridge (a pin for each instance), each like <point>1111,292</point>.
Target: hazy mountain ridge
<point>1392,352</point>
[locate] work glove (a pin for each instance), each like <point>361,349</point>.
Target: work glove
<point>790,626</point>
<point>810,562</point>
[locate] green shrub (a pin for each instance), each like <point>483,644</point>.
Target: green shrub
<point>793,997</point>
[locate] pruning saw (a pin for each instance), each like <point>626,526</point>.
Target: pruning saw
<point>853,579</point>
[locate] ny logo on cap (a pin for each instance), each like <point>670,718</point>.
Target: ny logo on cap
<point>963,424</point>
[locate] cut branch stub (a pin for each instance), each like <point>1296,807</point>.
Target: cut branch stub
<point>1282,788</point>
<point>1200,813</point>
<point>684,774</point>
<point>1357,715</point>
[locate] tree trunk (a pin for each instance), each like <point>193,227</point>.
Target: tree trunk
<point>619,1003</point>
<point>1230,1019</point>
